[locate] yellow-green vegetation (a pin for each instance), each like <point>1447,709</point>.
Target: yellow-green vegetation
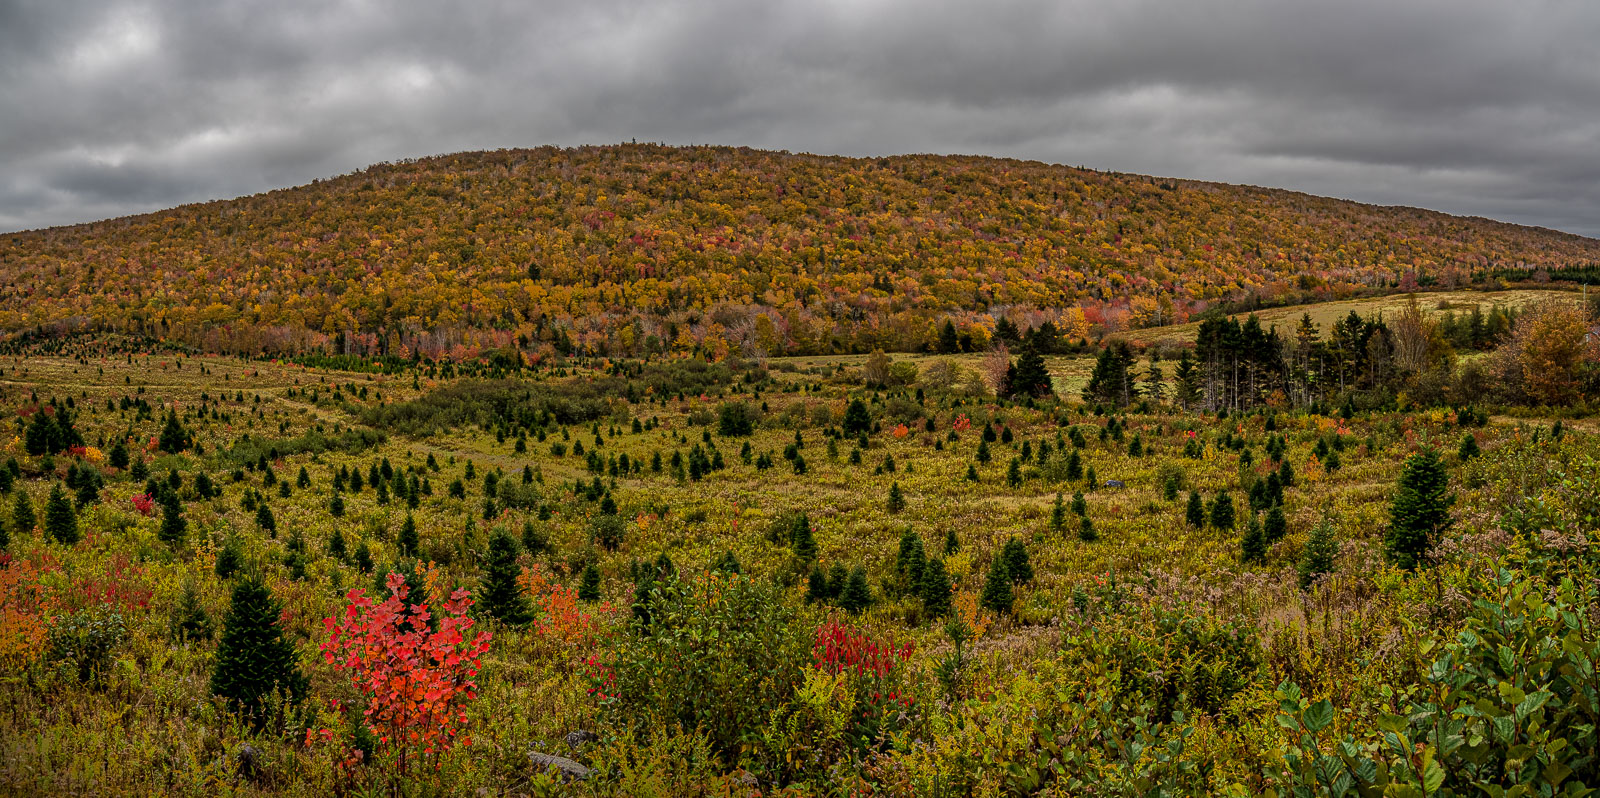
<point>1324,314</point>
<point>775,579</point>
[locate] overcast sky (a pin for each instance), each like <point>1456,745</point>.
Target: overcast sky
<point>1468,106</point>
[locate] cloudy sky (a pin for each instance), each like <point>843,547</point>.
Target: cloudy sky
<point>1486,107</point>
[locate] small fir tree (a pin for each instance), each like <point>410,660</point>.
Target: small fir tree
<point>500,597</point>
<point>60,520</point>
<point>254,659</point>
<point>997,594</point>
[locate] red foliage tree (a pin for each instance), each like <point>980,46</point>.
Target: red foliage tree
<point>416,679</point>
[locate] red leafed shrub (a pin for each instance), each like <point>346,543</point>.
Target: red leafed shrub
<point>416,680</point>
<point>144,504</point>
<point>874,668</point>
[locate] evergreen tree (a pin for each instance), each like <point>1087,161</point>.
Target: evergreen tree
<point>363,558</point>
<point>897,500</point>
<point>336,505</point>
<point>972,473</point>
<point>802,539</point>
<point>857,421</point>
<point>1112,381</point>
<point>1195,515</point>
<point>1222,511</point>
<point>499,595</point>
<point>997,595</point>
<point>1253,546</point>
<point>911,560</point>
<point>229,559</point>
<point>935,589</point>
<point>1469,447</point>
<point>1086,531</point>
<point>174,529</point>
<point>1318,556</point>
<point>407,542</point>
<point>857,595</point>
<point>838,575</point>
<point>589,585</point>
<point>336,545</point>
<point>1015,555</point>
<point>190,621</point>
<point>1058,516</point>
<point>265,520</point>
<point>1074,466</point>
<point>1276,525</point>
<point>1014,473</point>
<point>174,438</point>
<point>816,586</point>
<point>1029,376</point>
<point>60,521</point>
<point>253,658</point>
<point>1421,510</point>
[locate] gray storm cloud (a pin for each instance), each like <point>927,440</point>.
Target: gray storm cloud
<point>1466,106</point>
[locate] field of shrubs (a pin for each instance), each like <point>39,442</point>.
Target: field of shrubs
<point>828,576</point>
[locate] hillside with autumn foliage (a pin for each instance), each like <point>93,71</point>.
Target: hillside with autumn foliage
<point>632,249</point>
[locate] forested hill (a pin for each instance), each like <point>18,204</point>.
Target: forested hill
<point>624,249</point>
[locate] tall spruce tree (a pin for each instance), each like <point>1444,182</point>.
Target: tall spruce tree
<point>1015,555</point>
<point>997,594</point>
<point>253,658</point>
<point>1317,559</point>
<point>1253,546</point>
<point>857,595</point>
<point>1030,377</point>
<point>1195,513</point>
<point>23,519</point>
<point>1421,510</point>
<point>499,596</point>
<point>935,589</point>
<point>60,521</point>
<point>1222,511</point>
<point>407,541</point>
<point>174,529</point>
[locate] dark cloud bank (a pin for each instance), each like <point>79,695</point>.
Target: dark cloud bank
<point>1466,106</point>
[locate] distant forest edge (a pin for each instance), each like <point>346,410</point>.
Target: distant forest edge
<point>640,249</point>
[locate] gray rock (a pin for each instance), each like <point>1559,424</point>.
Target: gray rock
<point>1115,483</point>
<point>570,770</point>
<point>247,761</point>
<point>578,738</point>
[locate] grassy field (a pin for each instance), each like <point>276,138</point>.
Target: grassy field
<point>1324,314</point>
<point>1149,593</point>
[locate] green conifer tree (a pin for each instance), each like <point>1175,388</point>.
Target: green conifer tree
<point>1222,511</point>
<point>407,542</point>
<point>589,584</point>
<point>997,594</point>
<point>1015,555</point>
<point>60,521</point>
<point>857,595</point>
<point>230,559</point>
<point>1317,558</point>
<point>1421,510</point>
<point>499,596</point>
<point>23,518</point>
<point>1276,526</point>
<point>174,529</point>
<point>935,589</point>
<point>253,659</point>
<point>816,586</point>
<point>1195,515</point>
<point>1253,546</point>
